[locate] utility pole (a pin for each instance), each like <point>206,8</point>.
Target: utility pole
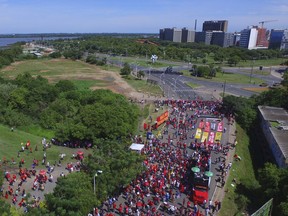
<point>251,70</point>
<point>224,86</point>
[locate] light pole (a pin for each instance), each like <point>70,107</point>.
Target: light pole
<point>96,174</point>
<point>161,77</point>
<point>176,82</point>
<point>224,88</point>
<point>252,70</point>
<point>149,74</point>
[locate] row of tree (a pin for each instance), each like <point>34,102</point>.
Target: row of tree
<point>163,49</point>
<point>272,180</point>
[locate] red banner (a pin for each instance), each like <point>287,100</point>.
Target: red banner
<point>162,118</point>
<point>201,124</point>
<point>207,127</point>
<point>211,138</point>
<point>220,127</point>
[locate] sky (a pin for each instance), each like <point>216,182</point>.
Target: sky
<point>134,16</point>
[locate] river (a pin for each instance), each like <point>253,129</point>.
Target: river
<point>8,41</point>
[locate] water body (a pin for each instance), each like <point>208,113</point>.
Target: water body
<point>8,41</point>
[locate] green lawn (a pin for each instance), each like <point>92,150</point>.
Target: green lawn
<point>10,144</point>
<point>242,171</point>
<point>229,78</point>
<point>143,86</point>
<point>44,67</point>
<point>142,62</point>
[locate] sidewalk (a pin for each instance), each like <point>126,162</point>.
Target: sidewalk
<point>219,192</point>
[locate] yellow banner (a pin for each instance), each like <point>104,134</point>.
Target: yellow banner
<point>205,137</point>
<point>218,136</point>
<point>198,133</point>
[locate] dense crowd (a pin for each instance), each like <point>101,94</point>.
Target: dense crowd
<point>169,159</point>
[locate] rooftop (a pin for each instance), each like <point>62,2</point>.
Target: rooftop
<point>278,120</point>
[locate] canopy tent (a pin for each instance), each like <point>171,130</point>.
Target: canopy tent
<point>208,173</point>
<point>136,147</point>
<point>195,169</point>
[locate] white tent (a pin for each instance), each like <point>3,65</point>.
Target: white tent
<point>136,147</point>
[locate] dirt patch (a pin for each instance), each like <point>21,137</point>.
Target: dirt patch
<point>258,89</point>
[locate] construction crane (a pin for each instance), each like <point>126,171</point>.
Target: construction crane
<point>262,22</point>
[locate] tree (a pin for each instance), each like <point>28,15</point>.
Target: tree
<point>140,74</point>
<point>55,55</point>
<point>201,71</point>
<point>284,82</point>
<point>126,70</point>
<point>234,60</point>
<point>73,195</point>
<point>219,57</point>
<point>65,85</point>
<point>119,166</point>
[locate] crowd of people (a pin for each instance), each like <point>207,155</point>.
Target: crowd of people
<point>168,174</point>
<point>169,159</point>
<point>30,177</point>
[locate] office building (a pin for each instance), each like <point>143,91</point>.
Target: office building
<point>278,39</point>
<point>222,39</point>
<point>284,42</point>
<point>216,25</point>
<point>248,38</point>
<point>274,123</point>
<point>188,36</point>
<point>177,35</point>
<point>203,37</point>
<point>262,40</point>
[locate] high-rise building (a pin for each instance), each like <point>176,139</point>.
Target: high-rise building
<point>278,39</point>
<point>222,39</point>
<point>248,38</point>
<point>262,40</point>
<point>216,25</point>
<point>187,35</point>
<point>203,37</point>
<point>284,43</point>
<point>177,35</point>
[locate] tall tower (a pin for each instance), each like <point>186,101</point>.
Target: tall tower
<point>262,38</point>
<point>216,25</point>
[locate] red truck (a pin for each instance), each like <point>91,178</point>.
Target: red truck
<point>200,189</point>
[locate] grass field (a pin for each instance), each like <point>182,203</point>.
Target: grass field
<point>144,87</point>
<point>229,78</point>
<point>248,63</point>
<point>242,171</point>
<point>83,75</point>
<point>142,62</point>
<point>10,144</point>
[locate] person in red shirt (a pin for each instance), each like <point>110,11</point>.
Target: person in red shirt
<point>114,206</point>
<point>120,209</point>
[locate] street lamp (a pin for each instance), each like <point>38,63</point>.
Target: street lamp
<point>253,61</point>
<point>96,174</point>
<point>149,73</point>
<point>161,77</point>
<point>176,81</point>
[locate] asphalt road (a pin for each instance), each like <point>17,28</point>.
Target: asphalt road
<point>175,87</point>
